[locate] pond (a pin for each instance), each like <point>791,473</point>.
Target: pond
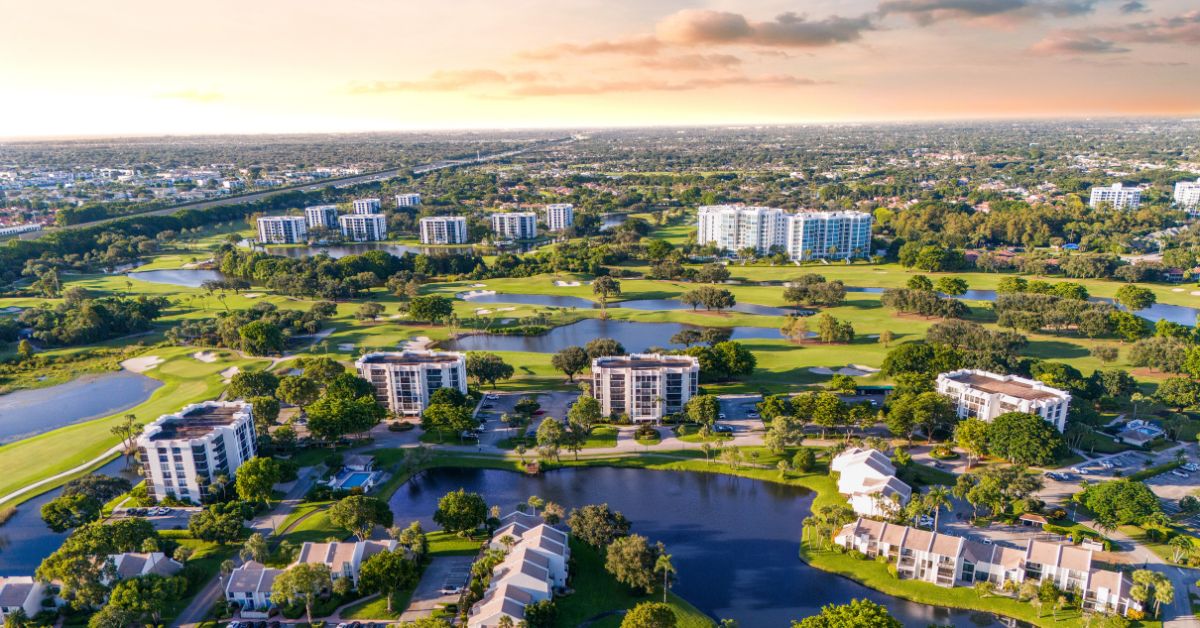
<point>634,336</point>
<point>733,540</point>
<point>188,278</point>
<point>26,413</point>
<point>25,540</point>
<point>358,248</point>
<point>553,300</point>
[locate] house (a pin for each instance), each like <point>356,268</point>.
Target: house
<point>548,543</point>
<point>527,571</point>
<point>947,560</point>
<point>249,586</point>
<point>21,592</point>
<point>1174,275</point>
<point>343,559</point>
<point>868,479</point>
<point>360,462</point>
<point>498,602</point>
<point>135,564</point>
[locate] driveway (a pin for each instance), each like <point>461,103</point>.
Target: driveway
<point>427,597</point>
<point>177,519</point>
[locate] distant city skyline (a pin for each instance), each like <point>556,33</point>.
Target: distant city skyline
<point>136,67</point>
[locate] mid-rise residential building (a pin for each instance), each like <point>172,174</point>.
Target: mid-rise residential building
<point>367,205</point>
<point>1187,195</point>
<point>363,227</point>
<point>644,386</point>
<point>22,593</point>
<point>411,199</point>
<point>183,453</point>
<point>282,229</point>
<point>515,225</point>
<point>323,216</point>
<point>560,216</point>
<point>802,235</point>
<point>1116,195</point>
<point>868,480</point>
<point>404,380</point>
<point>988,395</point>
<point>948,560</point>
<point>443,230</point>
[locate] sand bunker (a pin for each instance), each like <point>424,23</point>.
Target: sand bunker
<point>419,343</point>
<point>142,364</point>
<point>820,370</point>
<point>205,356</point>
<point>252,295</point>
<point>228,373</point>
<point>853,370</point>
<point>1195,293</point>
<point>505,309</point>
<point>349,346</point>
<point>482,311</point>
<point>567,284</point>
<point>466,296</point>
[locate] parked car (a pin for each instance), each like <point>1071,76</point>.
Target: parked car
<point>722,416</point>
<point>1053,476</point>
<point>1179,472</point>
<point>1190,467</point>
<point>752,415</point>
<point>451,589</point>
<point>491,396</point>
<point>925,521</point>
<point>468,434</point>
<point>722,429</point>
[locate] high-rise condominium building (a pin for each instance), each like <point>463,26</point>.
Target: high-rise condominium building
<point>560,216</point>
<point>644,386</point>
<point>802,235</point>
<point>403,381</point>
<point>1117,195</point>
<point>363,227</point>
<point>182,453</point>
<point>988,395</point>
<point>515,225</point>
<point>323,216</point>
<point>282,229</point>
<point>444,230</point>
<point>1187,195</point>
<point>408,200</point>
<point>367,206</point>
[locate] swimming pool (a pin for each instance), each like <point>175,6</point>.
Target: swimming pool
<point>356,479</point>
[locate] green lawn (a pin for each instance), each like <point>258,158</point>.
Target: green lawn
<point>442,543</point>
<point>690,433</point>
<point>597,592</point>
<point>376,607</point>
<point>601,436</point>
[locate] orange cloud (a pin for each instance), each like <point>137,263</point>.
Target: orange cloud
<point>691,62</point>
<point>692,27</point>
<point>1067,43</point>
<point>1181,29</point>
<point>643,45</point>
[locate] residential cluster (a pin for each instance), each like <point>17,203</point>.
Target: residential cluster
<point>533,569</point>
<point>506,226</point>
<point>948,560</point>
<point>249,586</point>
<point>365,223</point>
<point>868,480</point>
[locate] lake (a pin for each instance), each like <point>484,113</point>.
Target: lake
<point>358,248</point>
<point>188,278</point>
<point>25,540</point>
<point>26,413</point>
<point>733,540</point>
<point>553,300</point>
<point>634,336</point>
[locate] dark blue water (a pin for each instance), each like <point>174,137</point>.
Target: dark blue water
<point>547,300</point>
<point>734,541</point>
<point>26,413</point>
<point>342,250</point>
<point>552,300</point>
<point>634,336</point>
<point>25,540</point>
<point>188,278</point>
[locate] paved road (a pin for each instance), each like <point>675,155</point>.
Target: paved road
<point>197,610</point>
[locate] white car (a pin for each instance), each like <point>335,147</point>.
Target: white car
<point>1191,467</point>
<point>1180,473</point>
<point>925,521</point>
<point>491,397</point>
<point>721,416</point>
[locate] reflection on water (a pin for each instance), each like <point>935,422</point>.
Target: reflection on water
<point>733,540</point>
<point>188,278</point>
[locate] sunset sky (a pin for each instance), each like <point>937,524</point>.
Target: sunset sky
<point>141,66</point>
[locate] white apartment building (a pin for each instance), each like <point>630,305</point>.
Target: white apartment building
<point>560,216</point>
<point>282,229</point>
<point>367,206</point>
<point>1187,195</point>
<point>534,567</point>
<point>404,380</point>
<point>323,216</point>
<point>802,235</point>
<point>408,200</point>
<point>988,395</point>
<point>182,453</point>
<point>515,225</point>
<point>1118,196</point>
<point>645,386</point>
<point>868,480</point>
<point>363,227</point>
<point>444,230</point>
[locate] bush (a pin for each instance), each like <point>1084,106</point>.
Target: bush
<point>400,426</point>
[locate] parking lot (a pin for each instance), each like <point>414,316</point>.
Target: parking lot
<point>441,572</point>
<point>177,519</point>
<point>554,404</point>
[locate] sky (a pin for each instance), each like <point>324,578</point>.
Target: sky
<point>271,66</point>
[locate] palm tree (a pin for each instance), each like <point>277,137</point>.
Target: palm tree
<point>663,564</point>
<point>1164,593</point>
<point>936,498</point>
<point>127,432</point>
<point>1182,545</point>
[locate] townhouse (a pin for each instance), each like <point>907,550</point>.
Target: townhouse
<point>22,593</point>
<point>249,587</point>
<point>534,567</point>
<point>948,560</point>
<point>137,564</point>
<point>344,559</point>
<point>868,480</point>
